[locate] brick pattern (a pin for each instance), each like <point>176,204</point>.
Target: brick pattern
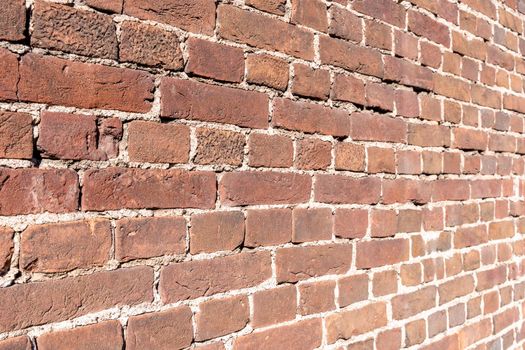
<point>262,174</point>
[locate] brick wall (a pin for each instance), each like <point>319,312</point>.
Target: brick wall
<point>262,174</point>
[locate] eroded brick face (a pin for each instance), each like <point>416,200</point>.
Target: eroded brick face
<point>262,174</point>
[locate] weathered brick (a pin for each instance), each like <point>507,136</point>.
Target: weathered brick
<point>313,154</point>
<point>116,188</point>
<point>305,334</point>
<point>311,224</point>
<point>193,279</point>
<point>341,189</point>
<point>216,231</point>
<point>350,223</point>
<point>27,191</point>
<point>106,5</point>
<point>408,73</point>
<point>277,7</point>
<point>350,89</point>
<point>381,160</point>
<point>375,127</point>
<point>352,289</point>
<point>269,187</point>
<point>267,70</point>
<point>310,118</point>
<point>65,246</point>
<point>349,56</point>
<point>429,28</point>
<point>77,137</point>
<point>385,10</point>
<point>64,28</point>
<point>310,13</point>
<point>184,99</point>
<point>405,190</point>
<point>347,324</point>
<point>10,75</point>
<point>273,151</point>
<point>428,135</point>
<point>215,146</point>
<point>381,252</point>
<point>13,21</point>
<point>316,297</point>
<point>16,135</point>
<point>149,45</point>
<point>216,61</point>
<point>264,32</point>
<point>142,238</point>
<point>384,282</point>
<point>197,16</point>
<point>274,306</point>
<point>299,263</point>
<point>50,301</point>
<point>106,335</point>
<point>344,24</point>
<point>310,82</point>
<point>350,156</point>
<point>57,81</point>
<point>170,329</point>
<point>455,288</point>
<point>221,316</point>
<point>406,305</point>
<point>6,248</point>
<point>268,227</point>
<point>18,343</point>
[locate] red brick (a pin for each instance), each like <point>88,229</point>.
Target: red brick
<point>428,135</point>
<point>406,305</point>
<point>470,139</point>
<point>455,288</point>
<point>407,103</point>
<point>299,263</point>
<point>350,156</point>
<point>264,32</point>
<point>65,246</point>
<point>490,278</point>
<point>408,162</point>
<point>472,333</point>
<point>341,189</point>
<point>313,154</point>
<point>10,75</point>
<point>142,238</point>
<point>352,289</point>
<point>310,13</point>
<point>13,21</point>
<point>104,336</point>
<point>450,190</point>
<point>178,13</point>
<point>381,160</point>
<point>345,25</point>
<point>430,107</point>
<point>311,224</point>
<point>376,127</point>
<point>409,220</point>
<point>6,248</point>
<point>245,188</point>
<point>158,143</point>
<point>383,222</point>
<point>277,7</point>
<point>27,191</point>
<point>221,316</point>
<point>405,44</point>
<point>380,96</point>
<point>273,151</point>
<point>389,340</point>
<point>429,28</point>
<point>349,56</point>
<point>347,324</point>
<point>449,342</point>
<point>381,252</point>
<point>408,73</point>
<point>116,188</point>
<point>68,29</point>
<point>268,227</point>
<point>405,190</point>
<point>311,82</point>
<point>274,306</point>
<point>57,81</point>
<point>106,5</point>
<point>415,332</point>
<point>316,297</point>
<point>77,137</point>
<point>350,223</point>
<point>211,232</point>
<point>384,282</point>
<point>18,343</point>
<point>310,118</point>
<point>378,35</point>
<point>501,230</point>
<point>350,89</point>
<point>385,10</point>
<point>216,61</point>
<point>267,70</point>
<point>485,188</point>
<point>452,87</point>
<point>193,279</point>
<point>50,301</point>
<point>149,45</point>
<point>431,55</point>
<point>306,334</point>
<point>170,329</point>
<point>184,99</point>
<point>215,146</point>
<point>411,274</point>
<point>16,135</point>
<point>437,323</point>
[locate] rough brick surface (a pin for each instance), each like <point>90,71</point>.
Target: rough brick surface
<point>262,174</point>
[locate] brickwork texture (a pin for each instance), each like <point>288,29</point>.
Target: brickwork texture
<point>262,174</point>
